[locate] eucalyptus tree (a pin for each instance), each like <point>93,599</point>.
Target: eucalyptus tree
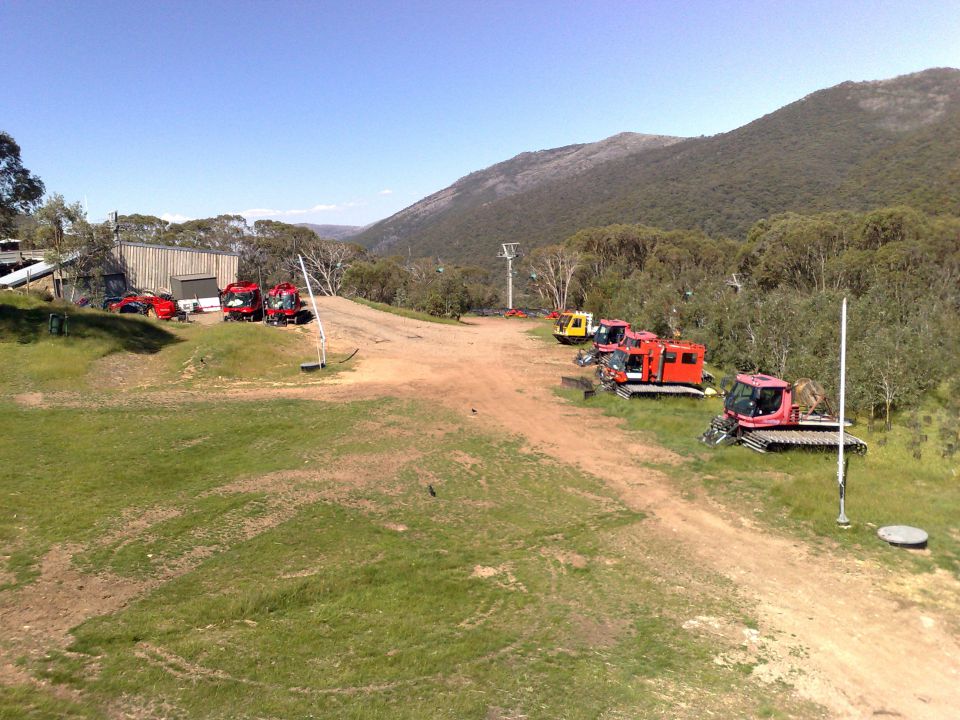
<point>20,190</point>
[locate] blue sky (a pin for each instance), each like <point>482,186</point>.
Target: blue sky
<point>346,112</point>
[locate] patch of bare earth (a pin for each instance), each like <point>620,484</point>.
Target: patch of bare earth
<point>30,400</point>
<point>38,616</point>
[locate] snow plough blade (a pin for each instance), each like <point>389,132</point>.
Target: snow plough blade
<point>722,431</point>
<point>584,359</point>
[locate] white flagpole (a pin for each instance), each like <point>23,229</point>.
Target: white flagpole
<point>841,480</point>
<point>322,343</point>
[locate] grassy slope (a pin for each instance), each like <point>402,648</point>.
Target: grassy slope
<point>798,490</point>
<point>405,312</point>
<point>33,360</point>
<point>300,595</point>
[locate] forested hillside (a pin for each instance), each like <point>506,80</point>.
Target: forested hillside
<point>772,303</point>
<point>852,147</point>
<point>521,174</point>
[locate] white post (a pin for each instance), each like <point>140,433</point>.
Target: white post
<point>509,251</point>
<point>322,342</point>
<point>841,480</point>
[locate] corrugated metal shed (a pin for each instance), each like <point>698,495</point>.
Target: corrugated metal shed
<point>150,267</point>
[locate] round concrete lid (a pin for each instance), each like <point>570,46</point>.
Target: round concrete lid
<point>903,535</point>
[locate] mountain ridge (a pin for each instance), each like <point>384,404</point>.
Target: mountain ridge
<point>852,146</point>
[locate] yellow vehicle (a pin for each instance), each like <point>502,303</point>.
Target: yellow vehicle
<point>573,328</point>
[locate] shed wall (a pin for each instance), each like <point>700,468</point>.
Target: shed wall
<point>149,267</point>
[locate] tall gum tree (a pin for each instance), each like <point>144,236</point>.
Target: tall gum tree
<point>20,190</point>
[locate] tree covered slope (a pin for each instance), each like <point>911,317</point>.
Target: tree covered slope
<point>854,146</point>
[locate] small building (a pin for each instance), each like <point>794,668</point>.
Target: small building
<point>197,291</point>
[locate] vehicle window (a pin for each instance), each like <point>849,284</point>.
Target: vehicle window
<point>670,357</point>
<point>576,323</point>
<point>769,400</point>
<point>688,358</point>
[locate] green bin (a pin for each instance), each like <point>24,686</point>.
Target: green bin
<point>58,324</point>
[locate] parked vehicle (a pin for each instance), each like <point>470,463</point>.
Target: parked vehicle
<point>653,366</point>
<point>157,306</point>
<point>607,337</point>
<point>242,301</point>
<point>284,305</point>
<point>767,414</point>
<point>574,328</point>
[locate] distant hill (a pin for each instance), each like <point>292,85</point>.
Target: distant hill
<point>519,175</point>
<point>854,146</point>
<point>334,232</point>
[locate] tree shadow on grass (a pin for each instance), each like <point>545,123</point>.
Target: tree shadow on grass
<point>123,332</point>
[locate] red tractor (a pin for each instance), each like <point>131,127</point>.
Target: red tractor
<point>284,305</point>
<point>607,337</point>
<point>650,366</point>
<point>242,301</point>
<point>156,306</point>
<point>767,414</point>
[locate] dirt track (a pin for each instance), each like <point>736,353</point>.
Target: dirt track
<point>865,650</point>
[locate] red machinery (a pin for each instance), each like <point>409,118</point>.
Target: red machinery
<point>633,338</point>
<point>650,366</point>
<point>242,301</point>
<point>607,337</point>
<point>765,413</point>
<point>284,304</point>
<point>150,305</point>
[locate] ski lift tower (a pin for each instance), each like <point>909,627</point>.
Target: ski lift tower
<point>509,252</point>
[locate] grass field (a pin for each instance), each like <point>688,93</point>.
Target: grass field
<point>283,559</point>
<point>294,585</point>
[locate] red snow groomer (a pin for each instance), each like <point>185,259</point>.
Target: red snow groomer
<point>284,305</point>
<point>768,414</point>
<point>651,366</point>
<point>633,338</point>
<point>242,301</point>
<point>606,339</point>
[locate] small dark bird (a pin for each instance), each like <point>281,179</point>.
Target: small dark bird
<point>473,410</point>
<point>433,493</point>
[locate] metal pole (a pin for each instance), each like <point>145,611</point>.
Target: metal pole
<point>510,281</point>
<point>322,343</point>
<point>841,480</point>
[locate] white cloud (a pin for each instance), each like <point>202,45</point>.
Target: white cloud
<point>174,218</point>
<point>268,212</point>
<point>387,191</point>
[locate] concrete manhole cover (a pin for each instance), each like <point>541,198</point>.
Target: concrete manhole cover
<point>903,536</point>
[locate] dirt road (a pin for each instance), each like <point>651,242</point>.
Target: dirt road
<point>842,631</point>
